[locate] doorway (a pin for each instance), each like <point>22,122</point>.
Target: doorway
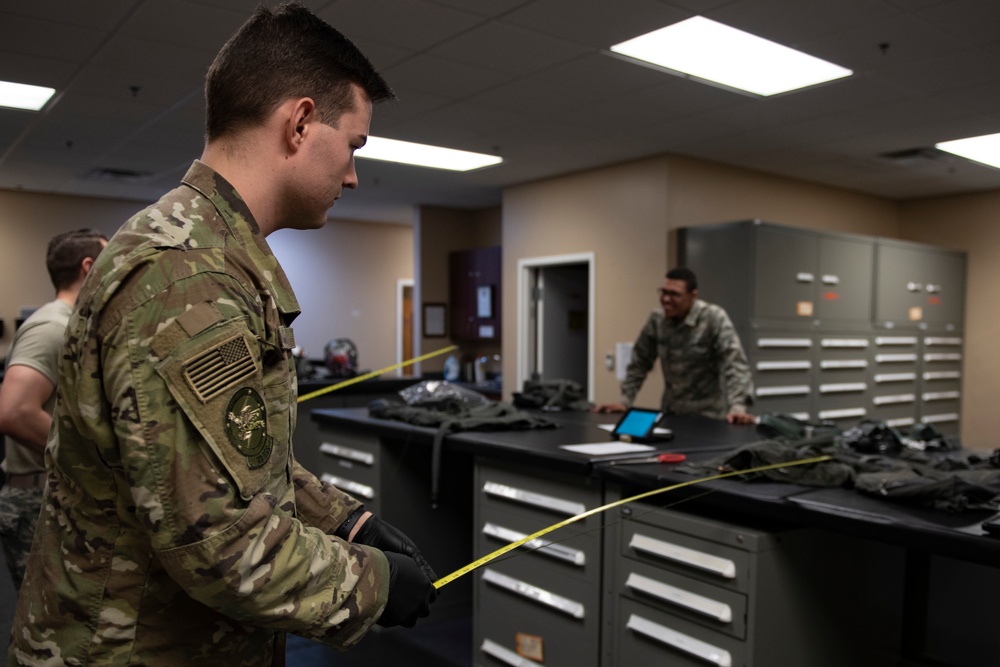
<point>556,320</point>
<point>404,326</point>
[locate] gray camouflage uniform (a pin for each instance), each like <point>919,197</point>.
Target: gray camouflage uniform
<point>705,371</point>
<point>177,527</point>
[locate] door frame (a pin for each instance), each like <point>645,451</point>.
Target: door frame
<point>401,284</point>
<point>525,267</point>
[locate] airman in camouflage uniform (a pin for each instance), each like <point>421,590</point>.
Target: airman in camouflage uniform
<point>705,370</point>
<point>177,527</point>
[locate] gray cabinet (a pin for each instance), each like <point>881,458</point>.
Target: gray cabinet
<point>693,591</point>
<point>836,326</point>
<point>544,603</point>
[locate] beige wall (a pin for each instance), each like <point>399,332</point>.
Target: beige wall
<point>441,231</point>
<point>344,274</point>
<point>624,215</point>
<point>970,223</point>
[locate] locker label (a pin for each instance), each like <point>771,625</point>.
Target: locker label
<point>916,314</point>
<point>804,308</point>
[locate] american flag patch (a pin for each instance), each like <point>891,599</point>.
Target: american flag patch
<point>219,368</point>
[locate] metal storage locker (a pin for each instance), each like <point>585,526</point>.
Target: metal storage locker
<point>918,286</point>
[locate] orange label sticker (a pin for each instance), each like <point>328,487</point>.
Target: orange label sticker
<point>804,308</point>
<point>916,314</point>
<point>934,300</point>
<point>831,296</point>
<point>529,646</point>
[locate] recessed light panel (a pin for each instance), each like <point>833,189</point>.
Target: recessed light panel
<point>23,96</point>
<point>705,49</point>
<point>423,155</point>
<point>985,149</point>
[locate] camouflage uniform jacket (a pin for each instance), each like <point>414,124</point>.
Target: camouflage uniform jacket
<point>705,371</point>
<point>177,528</point>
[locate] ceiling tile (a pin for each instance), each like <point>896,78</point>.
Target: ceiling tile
<point>508,48</point>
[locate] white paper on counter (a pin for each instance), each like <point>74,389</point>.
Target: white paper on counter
<point>607,448</point>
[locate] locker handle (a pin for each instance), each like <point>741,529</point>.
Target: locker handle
<point>804,277</point>
<point>352,487</point>
<point>535,594</point>
<point>545,547</point>
<point>914,287</point>
<point>503,654</point>
<point>933,289</point>
<point>829,279</point>
<point>723,567</point>
<point>533,499</point>
<point>670,637</point>
<point>714,609</point>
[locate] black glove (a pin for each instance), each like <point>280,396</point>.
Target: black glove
<point>377,533</point>
<point>410,592</point>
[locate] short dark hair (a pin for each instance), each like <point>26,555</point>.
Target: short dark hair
<point>283,53</point>
<point>687,275</point>
<point>67,251</point>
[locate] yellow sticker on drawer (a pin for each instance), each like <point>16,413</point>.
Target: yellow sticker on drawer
<point>529,646</point>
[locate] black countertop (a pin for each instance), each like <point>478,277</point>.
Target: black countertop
<point>956,535</point>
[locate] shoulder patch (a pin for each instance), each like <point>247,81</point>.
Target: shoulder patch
<point>219,368</point>
<point>246,427</point>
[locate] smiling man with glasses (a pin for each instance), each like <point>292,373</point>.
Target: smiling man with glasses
<point>705,370</point>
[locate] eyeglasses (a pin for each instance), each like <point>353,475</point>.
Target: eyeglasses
<point>673,294</point>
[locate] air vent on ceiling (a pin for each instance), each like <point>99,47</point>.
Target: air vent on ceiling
<point>119,175</point>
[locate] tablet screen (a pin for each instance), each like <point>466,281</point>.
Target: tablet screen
<point>637,423</point>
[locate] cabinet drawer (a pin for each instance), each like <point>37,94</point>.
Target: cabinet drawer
<point>548,497</point>
<point>687,555</point>
<point>652,637</point>
<point>567,626</point>
<point>572,551</point>
<point>714,607</point>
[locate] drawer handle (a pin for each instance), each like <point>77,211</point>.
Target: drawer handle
<point>354,488</point>
<point>895,377</point>
<point>841,387</point>
<point>534,499</point>
<point>844,342</point>
<point>940,395</point>
<point>535,594</point>
<point>898,423</point>
<point>943,375</point>
<point>347,453</point>
<point>942,356</point>
<point>714,609</point>
<point>934,340</point>
<point>720,566</point>
<point>895,340</point>
<point>784,365</point>
<point>680,641</point>
<point>891,400</point>
<point>789,390</point>
<point>843,363</point>
<point>490,647</point>
<point>937,419</point>
<point>842,414</point>
<point>544,547</point>
<point>784,342</point>
<point>894,358</point>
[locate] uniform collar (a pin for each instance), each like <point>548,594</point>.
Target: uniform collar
<point>246,231</point>
<point>696,308</point>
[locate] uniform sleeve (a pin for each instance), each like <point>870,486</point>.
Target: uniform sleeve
<point>321,505</point>
<point>735,368</point>
<point>644,353</point>
<point>204,437</point>
<point>38,346</point>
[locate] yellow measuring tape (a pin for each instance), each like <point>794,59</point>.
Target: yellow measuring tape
<point>366,376</point>
<point>447,579</point>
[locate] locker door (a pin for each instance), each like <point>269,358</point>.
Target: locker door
<point>899,298</point>
<point>786,265</point>
<point>844,281</point>
<point>944,289</point>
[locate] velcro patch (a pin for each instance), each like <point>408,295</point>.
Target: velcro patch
<point>219,368</point>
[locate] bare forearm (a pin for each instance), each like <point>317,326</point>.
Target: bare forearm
<point>28,426</point>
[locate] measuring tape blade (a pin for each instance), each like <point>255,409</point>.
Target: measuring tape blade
<point>366,376</point>
<point>447,579</point>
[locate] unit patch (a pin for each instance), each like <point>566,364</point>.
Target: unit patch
<point>246,427</point>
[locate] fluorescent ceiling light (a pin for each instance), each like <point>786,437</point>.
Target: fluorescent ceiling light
<point>709,50</point>
<point>985,149</point>
<point>23,96</point>
<point>423,155</point>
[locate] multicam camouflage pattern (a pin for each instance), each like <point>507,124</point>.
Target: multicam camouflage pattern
<point>705,371</point>
<point>18,515</point>
<point>170,535</point>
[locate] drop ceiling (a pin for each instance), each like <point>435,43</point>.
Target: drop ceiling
<point>527,79</point>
